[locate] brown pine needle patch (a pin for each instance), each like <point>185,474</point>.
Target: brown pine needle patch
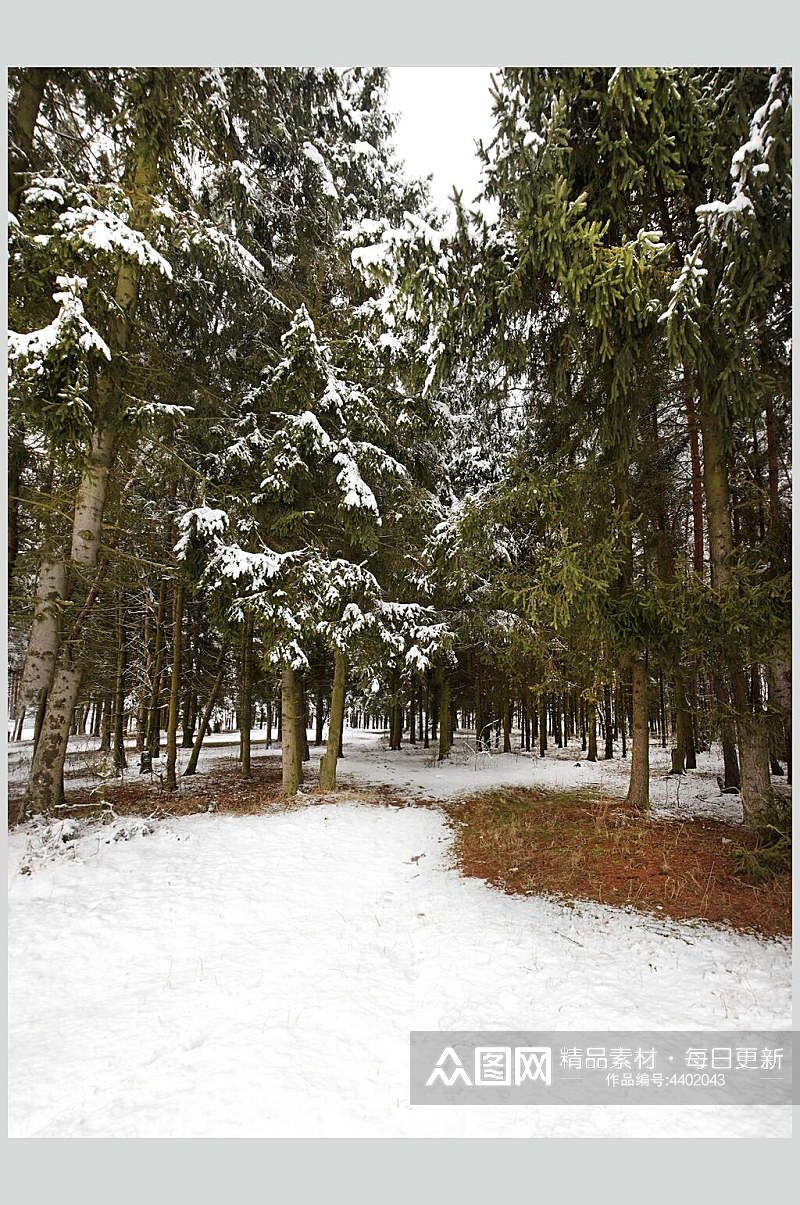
<point>576,846</point>
<point>222,789</point>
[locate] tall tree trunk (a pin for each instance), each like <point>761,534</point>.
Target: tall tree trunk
<point>104,711</point>
<point>780,697</point>
<point>302,723</point>
<point>153,740</point>
<point>727,733</point>
<point>205,719</point>
<point>45,783</point>
<point>327,768</point>
<point>697,482</point>
<point>118,743</point>
<point>246,697</point>
<point>45,786</point>
<point>608,722</point>
<point>678,753</point>
<point>175,684</point>
<point>481,737</point>
<point>445,718</point>
<point>190,672</point>
<point>691,723</point>
<point>17,459</point>
<point>639,787</point>
<point>772,464</point>
<point>22,118</point>
<point>619,712</point>
<point>753,744</point>
<point>319,714</point>
<point>40,658</point>
<point>591,723</point>
<point>46,775</point>
<point>780,694</point>
<point>291,749</point>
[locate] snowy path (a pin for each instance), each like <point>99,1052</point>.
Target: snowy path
<point>259,976</point>
<point>414,770</point>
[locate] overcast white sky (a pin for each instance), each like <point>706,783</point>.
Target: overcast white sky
<point>443,110</point>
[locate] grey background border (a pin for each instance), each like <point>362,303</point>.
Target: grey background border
<point>409,32</point>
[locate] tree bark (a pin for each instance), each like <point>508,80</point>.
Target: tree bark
<point>772,465</point>
<point>678,753</point>
<point>118,741</point>
<point>780,696</point>
<point>319,715</point>
<point>608,722</point>
<point>639,787</point>
<point>22,118</point>
<point>445,719</point>
<point>697,482</point>
<point>302,723</point>
<point>727,733</point>
<point>327,768</point>
<point>753,745</point>
<point>45,783</point>
<point>40,658</point>
<point>153,738</point>
<point>591,723</point>
<point>291,749</point>
<point>175,685</point>
<point>207,713</point>
<point>46,774</point>
<point>246,697</point>
<point>103,713</point>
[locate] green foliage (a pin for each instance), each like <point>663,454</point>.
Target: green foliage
<point>771,854</point>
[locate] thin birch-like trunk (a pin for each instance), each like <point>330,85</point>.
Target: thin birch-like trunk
<point>46,776</point>
<point>45,784</point>
<point>40,658</point>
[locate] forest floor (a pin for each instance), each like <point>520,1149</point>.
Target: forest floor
<point>578,846</point>
<point>257,970</point>
<point>568,835</point>
<point>412,772</point>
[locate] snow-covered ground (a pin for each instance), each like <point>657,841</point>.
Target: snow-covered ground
<point>415,770</point>
<point>259,975</point>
